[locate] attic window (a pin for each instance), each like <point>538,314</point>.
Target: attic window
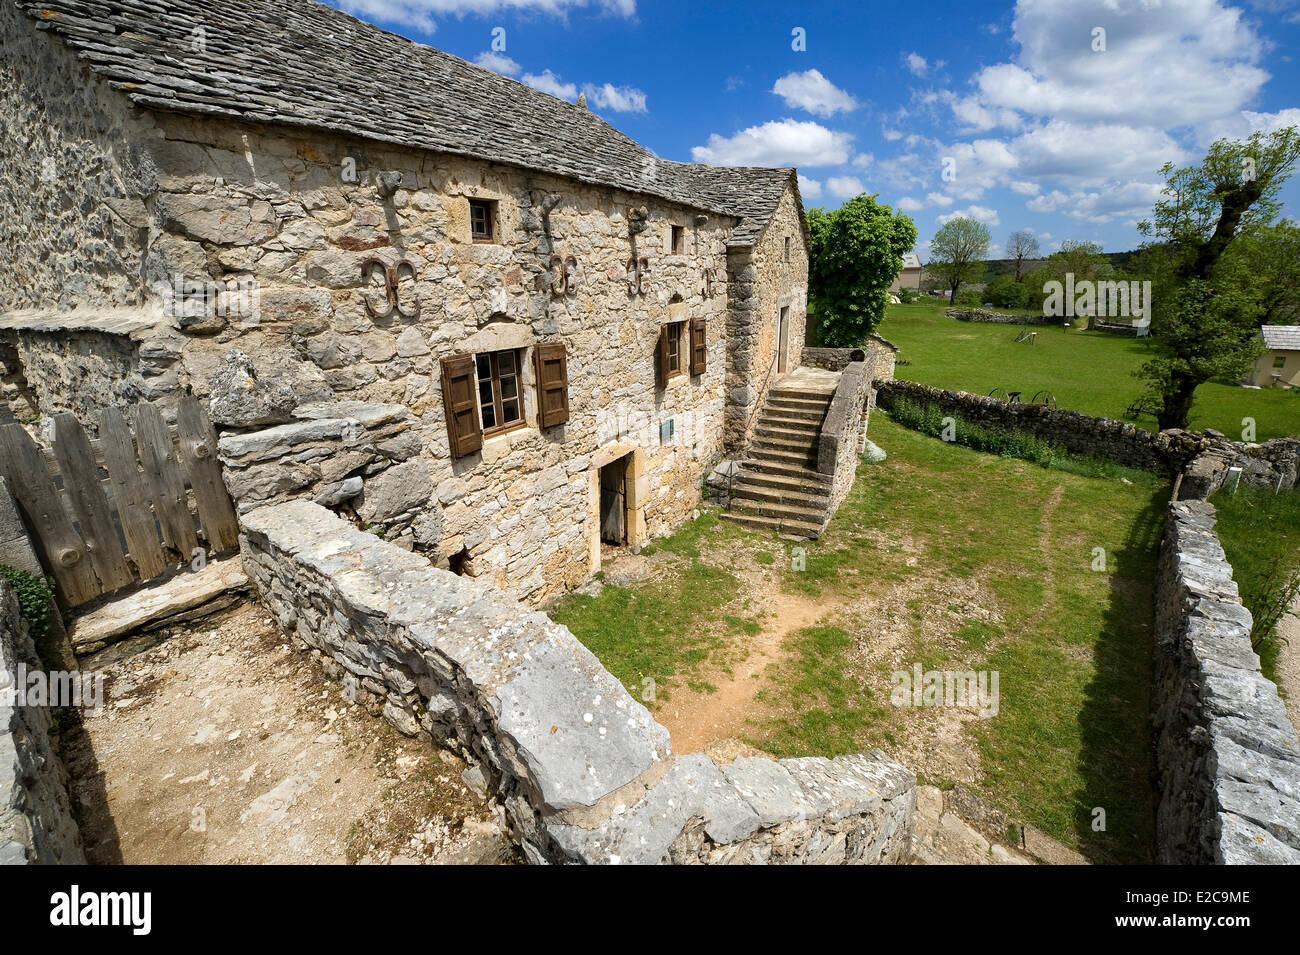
<point>678,240</point>
<point>482,216</point>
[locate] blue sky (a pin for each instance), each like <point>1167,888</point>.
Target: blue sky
<point>1021,115</point>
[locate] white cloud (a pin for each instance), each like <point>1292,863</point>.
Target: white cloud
<point>548,82</point>
<point>845,187</point>
<point>813,92</point>
<point>421,13</point>
<point>785,142</point>
<point>890,135</point>
<point>908,204</point>
<point>1024,188</point>
<point>1126,202</point>
<point>979,213</point>
<point>498,63</point>
<point>917,64</point>
<point>809,188</point>
<point>620,99</point>
<point>939,199</point>
<point>862,160</point>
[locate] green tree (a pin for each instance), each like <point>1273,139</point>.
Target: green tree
<point>1204,316</point>
<point>1266,261</point>
<point>957,252</point>
<point>857,252</point>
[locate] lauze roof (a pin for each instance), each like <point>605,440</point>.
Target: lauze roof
<point>302,63</point>
<point>1282,337</point>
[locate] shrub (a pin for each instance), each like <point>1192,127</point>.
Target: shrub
<point>968,298</point>
<point>1006,292</point>
<point>35,599</point>
<point>908,295</point>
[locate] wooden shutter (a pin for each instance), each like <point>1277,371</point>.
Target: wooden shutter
<point>661,356</point>
<point>461,404</point>
<point>699,348</point>
<point>552,384</point>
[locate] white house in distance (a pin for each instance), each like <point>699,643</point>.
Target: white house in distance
<point>910,275</point>
<point>1279,366</point>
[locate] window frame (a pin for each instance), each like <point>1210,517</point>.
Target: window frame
<point>677,239</point>
<point>1279,361</point>
<point>674,329</point>
<point>494,381</point>
<point>489,208</point>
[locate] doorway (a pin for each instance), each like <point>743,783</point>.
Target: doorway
<point>613,502</point>
<point>783,340</point>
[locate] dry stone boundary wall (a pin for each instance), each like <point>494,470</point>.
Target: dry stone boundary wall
<point>1228,761</point>
<point>584,772</point>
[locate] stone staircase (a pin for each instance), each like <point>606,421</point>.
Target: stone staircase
<point>778,486</point>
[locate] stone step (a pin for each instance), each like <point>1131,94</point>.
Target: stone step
<point>808,425</point>
<point>779,525</point>
<point>751,491</point>
<point>813,416</point>
<point>802,394</point>
<point>784,469</point>
<point>801,482</point>
<point>800,431</point>
<point>804,515</point>
<point>796,445</point>
<point>811,402</point>
<point>801,459</point>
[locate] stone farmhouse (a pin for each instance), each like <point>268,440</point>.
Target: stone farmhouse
<point>474,318</point>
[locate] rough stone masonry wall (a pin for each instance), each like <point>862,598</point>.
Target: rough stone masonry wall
<point>1119,441</point>
<point>844,430</point>
<point>585,773</point>
<point>1228,761</point>
<point>1271,466</point>
<point>760,283</point>
<point>997,318</point>
<point>72,224</point>
<point>36,823</point>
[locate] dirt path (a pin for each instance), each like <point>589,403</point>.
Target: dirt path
<point>698,720</point>
<point>225,745</point>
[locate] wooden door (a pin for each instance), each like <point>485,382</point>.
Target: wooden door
<point>783,340</point>
<point>613,502</point>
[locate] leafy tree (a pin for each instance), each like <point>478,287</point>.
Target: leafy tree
<point>1204,318</point>
<point>857,252</point>
<point>1021,246</point>
<point>957,252</point>
<point>1267,262</point>
<point>1005,292</point>
<point>1083,260</point>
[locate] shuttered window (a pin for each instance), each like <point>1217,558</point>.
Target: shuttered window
<point>673,351</point>
<point>460,403</point>
<point>499,400</point>
<point>699,346</point>
<point>552,384</point>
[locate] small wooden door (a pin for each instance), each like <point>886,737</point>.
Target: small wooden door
<point>613,502</point>
<point>783,340</point>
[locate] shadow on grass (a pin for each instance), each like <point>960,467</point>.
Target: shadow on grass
<point>1116,759</point>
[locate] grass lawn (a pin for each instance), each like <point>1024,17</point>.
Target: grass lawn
<point>1260,533</point>
<point>1086,371</point>
<point>956,560</point>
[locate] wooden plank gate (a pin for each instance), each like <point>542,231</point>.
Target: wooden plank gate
<point>112,511</point>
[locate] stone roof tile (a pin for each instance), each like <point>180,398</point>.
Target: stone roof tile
<point>302,63</point>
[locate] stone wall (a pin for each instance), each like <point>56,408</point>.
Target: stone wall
<point>1228,761</point>
<point>36,822</point>
<point>1072,431</point>
<point>984,315</point>
<point>84,361</point>
<point>1271,466</point>
<point>584,772</point>
<point>72,224</point>
<point>844,430</point>
<point>760,283</point>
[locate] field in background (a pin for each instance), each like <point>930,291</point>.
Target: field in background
<point>1087,371</point>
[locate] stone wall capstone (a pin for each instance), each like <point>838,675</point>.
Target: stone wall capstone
<point>36,821</point>
<point>1228,760</point>
<point>584,772</point>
